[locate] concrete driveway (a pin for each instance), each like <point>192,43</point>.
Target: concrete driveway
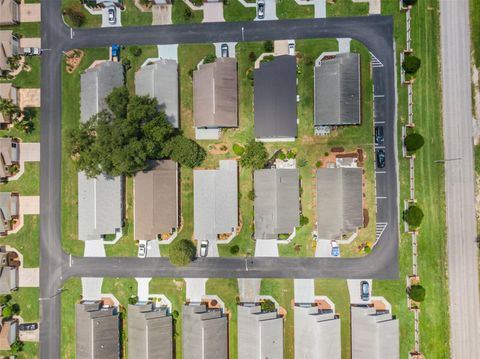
<point>324,249</point>
<point>29,205</point>
<point>270,11</point>
<point>31,42</point>
<point>249,289</point>
<point>304,290</point>
<point>195,290</point>
<point>213,12</point>
<point>231,48</point>
<point>266,248</point>
<point>118,18</point>
<point>168,52</point>
<point>162,14</point>
<point>29,98</point>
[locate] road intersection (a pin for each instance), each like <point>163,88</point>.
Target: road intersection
<point>375,32</point>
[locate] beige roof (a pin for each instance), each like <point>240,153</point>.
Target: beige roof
<point>5,156</point>
<point>215,94</point>
<point>9,12</point>
<point>8,333</point>
<point>156,200</point>
<point>7,48</point>
<point>7,92</point>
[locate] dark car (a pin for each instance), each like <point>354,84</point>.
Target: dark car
<point>224,49</point>
<point>261,9</point>
<point>379,135</point>
<point>380,154</point>
<point>28,326</point>
<point>364,290</point>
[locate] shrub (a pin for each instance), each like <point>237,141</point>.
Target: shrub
<point>267,305</point>
<point>411,64</point>
<point>175,314</point>
<point>252,56</point>
<point>255,155</point>
<point>318,164</point>
<point>250,75</point>
<point>127,64</point>
<point>268,46</point>
<point>414,142</point>
<point>303,220</point>
<point>17,346</point>
<point>413,216</point>
<point>16,309</point>
<point>234,249</point>
<point>291,155</point>
<point>133,299</point>
<point>251,195</point>
<point>267,58</point>
<point>4,299</point>
<point>238,149</point>
<point>182,252</point>
<point>409,2</point>
<point>7,312</point>
<point>187,13</point>
<point>210,58</point>
<point>76,16</point>
<point>135,50</point>
<point>416,292</point>
<point>282,156</point>
<point>367,249</point>
<point>302,162</point>
<point>185,151</point>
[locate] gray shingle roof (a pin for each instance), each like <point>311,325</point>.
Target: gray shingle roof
<point>277,202</point>
<point>96,85</point>
<point>215,94</point>
<point>8,279</point>
<point>260,335</point>
<point>8,210</point>
<point>337,90</point>
<point>160,80</point>
<point>275,98</point>
<point>215,200</point>
<point>204,333</point>
<point>374,336</point>
<point>100,206</point>
<point>97,331</point>
<point>317,334</point>
<point>149,332</point>
<point>339,201</point>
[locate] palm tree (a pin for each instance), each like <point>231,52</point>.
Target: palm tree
<point>9,109</point>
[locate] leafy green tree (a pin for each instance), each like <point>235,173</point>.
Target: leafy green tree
<point>7,312</point>
<point>182,252</point>
<point>185,151</point>
<point>210,58</point>
<point>135,50</point>
<point>410,2</point>
<point>117,101</point>
<point>133,299</point>
<point>267,305</point>
<point>252,56</point>
<point>411,64</point>
<point>255,155</point>
<point>414,142</point>
<point>303,220</point>
<point>416,292</point>
<point>16,346</point>
<point>238,149</point>
<point>16,309</point>
<point>413,216</point>
<point>4,299</point>
<point>268,46</point>
<point>234,249</point>
<point>8,109</point>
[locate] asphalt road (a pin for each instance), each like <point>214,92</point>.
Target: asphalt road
<point>459,180</point>
<point>55,266</point>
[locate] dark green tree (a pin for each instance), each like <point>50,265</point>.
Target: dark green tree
<point>409,2</point>
<point>182,252</point>
<point>267,305</point>
<point>268,46</point>
<point>118,100</point>
<point>4,299</point>
<point>413,216</point>
<point>414,142</point>
<point>185,151</point>
<point>135,50</point>
<point>7,312</point>
<point>255,155</point>
<point>234,249</point>
<point>416,292</point>
<point>303,220</point>
<point>16,346</point>
<point>411,64</point>
<point>210,58</point>
<point>133,299</point>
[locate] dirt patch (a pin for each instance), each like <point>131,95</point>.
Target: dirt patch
<point>73,59</point>
<point>218,149</point>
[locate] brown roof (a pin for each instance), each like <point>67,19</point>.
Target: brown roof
<point>215,94</point>
<point>156,200</point>
<point>5,156</point>
<point>7,92</point>
<point>5,335</point>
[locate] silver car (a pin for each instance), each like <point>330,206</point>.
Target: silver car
<point>203,248</point>
<point>112,19</point>
<point>261,9</point>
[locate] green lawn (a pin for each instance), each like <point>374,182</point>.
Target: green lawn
<point>181,14</point>
<point>174,290</point>
<point>289,9</point>
<point>90,20</point>
<point>233,10</point>
<point>27,298</point>
<point>475,29</point>
<point>30,77</point>
<point>71,295</point>
<point>132,16</point>
<point>27,241</point>
<point>349,8</point>
<point>227,291</point>
<point>28,184</point>
<point>24,29</point>
<point>29,351</point>
<point>282,291</point>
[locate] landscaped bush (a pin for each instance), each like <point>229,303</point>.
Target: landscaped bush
<point>268,46</point>
<point>238,149</point>
<point>76,16</point>
<point>252,56</point>
<point>411,64</point>
<point>282,156</point>
<point>4,299</point>
<point>135,50</point>
<point>302,162</point>
<point>267,58</point>
<point>7,312</point>
<point>185,151</point>
<point>291,155</point>
<point>255,155</point>
<point>416,292</point>
<point>318,164</point>
<point>251,195</point>
<point>234,249</point>
<point>182,252</point>
<point>17,346</point>
<point>409,2</point>
<point>303,220</point>
<point>414,142</point>
<point>187,14</point>
<point>175,314</point>
<point>133,299</point>
<point>210,58</point>
<point>267,305</point>
<point>413,216</point>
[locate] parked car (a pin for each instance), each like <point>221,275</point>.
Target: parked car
<point>203,248</point>
<point>31,51</point>
<point>364,290</point>
<point>224,49</point>
<point>142,249</point>
<point>379,135</point>
<point>380,155</point>
<point>28,326</point>
<point>112,15</point>
<point>261,9</point>
<point>335,249</point>
<point>115,52</point>
<point>291,48</point>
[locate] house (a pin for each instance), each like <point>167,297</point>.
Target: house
<point>204,333</point>
<point>156,200</point>
<point>317,333</point>
<point>260,334</point>
<point>337,91</point>
<point>9,210</point>
<point>160,80</point>
<point>9,45</point>
<point>150,332</point>
<point>277,202</point>
<point>8,332</point>
<point>9,12</point>
<point>339,201</point>
<point>8,271</point>
<point>100,206</point>
<point>96,84</point>
<point>10,93</point>
<point>375,334</point>
<point>215,200</point>
<point>9,157</point>
<point>97,330</point>
<point>275,100</point>
<point>215,97</point>
<point>100,199</point>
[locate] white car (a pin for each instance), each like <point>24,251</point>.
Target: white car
<point>291,48</point>
<point>203,248</point>
<point>111,15</point>
<point>142,249</point>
